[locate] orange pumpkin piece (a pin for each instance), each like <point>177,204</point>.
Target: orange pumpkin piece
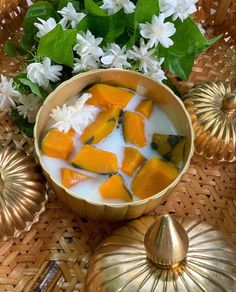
<point>114,188</point>
<point>96,160</point>
<point>145,107</point>
<point>153,177</point>
<point>70,177</point>
<point>57,144</point>
<point>133,129</point>
<point>104,124</point>
<point>106,95</point>
<point>132,160</point>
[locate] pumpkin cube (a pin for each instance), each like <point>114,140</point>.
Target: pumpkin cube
<point>106,95</point>
<point>145,107</point>
<point>132,160</point>
<point>70,177</point>
<point>104,124</point>
<point>171,147</point>
<point>114,188</point>
<point>153,177</point>
<point>133,129</point>
<point>95,160</point>
<point>57,144</point>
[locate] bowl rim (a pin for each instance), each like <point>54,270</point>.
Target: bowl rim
<point>123,204</point>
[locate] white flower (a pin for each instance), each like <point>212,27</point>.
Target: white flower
<point>42,73</point>
<point>158,32</point>
<point>77,117</point>
<point>202,30</point>
<point>45,26</point>
<point>29,106</point>
<point>158,73</point>
<point>178,8</point>
<point>7,94</point>
<point>70,15</point>
<point>146,57</point>
<point>115,57</point>
<point>112,6</point>
<point>87,44</point>
<point>64,117</point>
<point>85,63</point>
<point>82,100</point>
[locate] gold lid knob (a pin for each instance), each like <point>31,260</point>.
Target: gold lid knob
<point>166,242</point>
<point>229,102</point>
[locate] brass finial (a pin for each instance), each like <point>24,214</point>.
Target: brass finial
<point>166,242</point>
<point>229,102</point>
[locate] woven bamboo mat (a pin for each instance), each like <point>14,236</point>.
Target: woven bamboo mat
<point>207,190</point>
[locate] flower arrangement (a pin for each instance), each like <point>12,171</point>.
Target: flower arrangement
<point>65,37</point>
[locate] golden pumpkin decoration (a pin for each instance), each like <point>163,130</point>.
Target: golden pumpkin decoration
<point>22,192</point>
<point>212,107</point>
<point>166,254</point>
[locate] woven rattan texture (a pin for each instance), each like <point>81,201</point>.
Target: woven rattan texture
<point>207,190</point>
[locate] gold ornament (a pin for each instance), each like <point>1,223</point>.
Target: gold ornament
<point>212,106</point>
<point>164,255</point>
<point>22,192</point>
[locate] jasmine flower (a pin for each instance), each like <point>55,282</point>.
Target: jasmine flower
<point>45,26</point>
<point>178,8</point>
<point>158,32</point>
<point>87,44</point>
<point>145,56</point>
<point>85,63</point>
<point>42,73</point>
<point>29,106</point>
<point>77,117</point>
<point>113,6</point>
<point>202,30</point>
<point>70,15</point>
<point>115,57</point>
<point>7,94</point>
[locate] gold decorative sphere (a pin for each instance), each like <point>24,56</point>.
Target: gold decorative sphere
<point>22,192</point>
<point>212,107</point>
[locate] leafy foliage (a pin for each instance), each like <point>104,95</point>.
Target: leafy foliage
<point>58,45</point>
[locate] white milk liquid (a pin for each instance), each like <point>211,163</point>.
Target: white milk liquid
<point>89,188</point>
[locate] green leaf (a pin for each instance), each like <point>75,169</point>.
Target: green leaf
<point>43,10</point>
<point>83,24</point>
<point>98,21</point>
<point>144,11</point>
<point>116,26</point>
<point>58,45</point>
<point>180,66</point>
<point>170,84</point>
<point>214,39</point>
<point>27,41</point>
<point>37,90</point>
<point>10,49</point>
<point>13,50</point>
<point>22,123</point>
<point>63,3</point>
<point>209,43</point>
<point>92,8</point>
<point>187,38</point>
<point>188,42</point>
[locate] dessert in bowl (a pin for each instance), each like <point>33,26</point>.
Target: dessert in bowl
<point>123,143</point>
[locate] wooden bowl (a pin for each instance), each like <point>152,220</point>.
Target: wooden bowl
<point>167,101</point>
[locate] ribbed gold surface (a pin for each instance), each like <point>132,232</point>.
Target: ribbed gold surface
<point>212,106</point>
<point>22,192</point>
<point>120,263</point>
